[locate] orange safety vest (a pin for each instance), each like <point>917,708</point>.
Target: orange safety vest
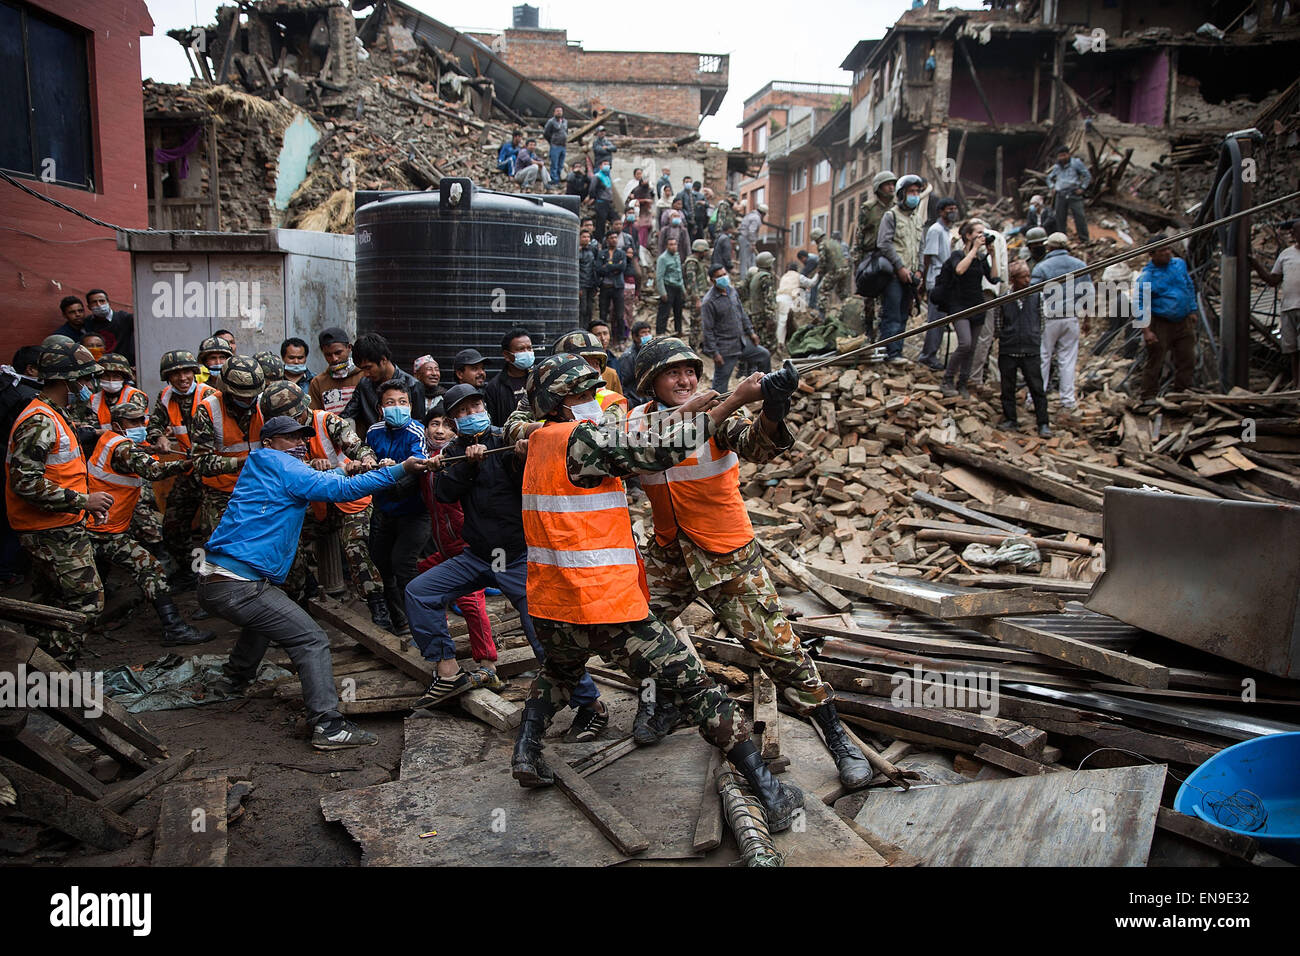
<point>230,441</point>
<point>583,564</point>
<point>125,489</point>
<point>607,397</point>
<point>103,404</point>
<point>64,465</point>
<point>700,496</point>
<point>171,400</point>
<point>320,446</point>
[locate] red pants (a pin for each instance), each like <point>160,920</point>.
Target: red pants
<point>474,607</point>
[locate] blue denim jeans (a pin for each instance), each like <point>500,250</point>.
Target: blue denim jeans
<point>428,595</point>
<point>753,356</point>
<point>557,162</point>
<point>892,320</point>
<point>933,338</point>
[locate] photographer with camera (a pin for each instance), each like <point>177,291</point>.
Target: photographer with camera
<point>959,287</point>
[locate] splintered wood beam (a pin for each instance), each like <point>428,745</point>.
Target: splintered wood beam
<point>616,828</point>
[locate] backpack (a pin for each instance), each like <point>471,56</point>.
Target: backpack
<point>945,287</point>
<point>872,274</point>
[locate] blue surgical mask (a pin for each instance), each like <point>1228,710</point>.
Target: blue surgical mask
<point>296,369</point>
<point>645,339</point>
<point>911,202</point>
<point>214,370</point>
<point>397,415</point>
<point>473,424</point>
<point>723,282</point>
<point>103,311</point>
<point>83,394</point>
<point>137,435</point>
<point>524,359</point>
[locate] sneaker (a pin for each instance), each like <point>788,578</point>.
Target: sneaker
<point>588,722</point>
<point>340,735</point>
<point>899,360</point>
<point>444,689</point>
<point>1007,425</point>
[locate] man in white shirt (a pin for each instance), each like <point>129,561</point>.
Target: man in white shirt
<point>935,252</point>
<point>984,343</point>
<point>1286,273</point>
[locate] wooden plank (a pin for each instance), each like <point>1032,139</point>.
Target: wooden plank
<point>766,716</point>
<point>616,828</point>
<point>1133,670</point>
<point>979,488</point>
<point>800,573</point>
<point>492,709</point>
<point>127,792</point>
<point>921,645</point>
<point>1039,582</point>
<point>937,600</point>
<point>1132,479</point>
<point>115,717</point>
<point>57,617</point>
<point>969,514</point>
<point>191,827</point>
<point>1048,514</point>
<point>515,660</point>
<point>993,539</point>
<point>708,820</point>
<point>1058,491</point>
<point>387,647</point>
<point>1013,762</point>
<point>39,754</point>
<point>947,723</point>
<point>45,801</point>
<point>1227,842</point>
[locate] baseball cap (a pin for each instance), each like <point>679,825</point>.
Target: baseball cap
<point>284,425</point>
<point>468,357</point>
<point>333,334</point>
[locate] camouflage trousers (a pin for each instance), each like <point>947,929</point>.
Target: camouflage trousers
<point>765,326</point>
<point>648,651</point>
<point>182,505</point>
<point>124,551</point>
<point>748,606</point>
<point>354,537</point>
<point>147,520</point>
<point>211,508</point>
<point>834,288</point>
<point>63,576</point>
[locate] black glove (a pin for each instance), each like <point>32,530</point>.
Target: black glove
<point>777,388</point>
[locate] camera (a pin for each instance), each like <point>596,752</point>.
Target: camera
<point>989,237</point>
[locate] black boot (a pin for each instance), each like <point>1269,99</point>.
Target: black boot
<point>401,626</point>
<point>855,771</point>
<point>527,765</point>
<point>642,735</point>
<point>779,800</point>
<point>175,630</point>
<point>666,717</point>
<point>379,610</point>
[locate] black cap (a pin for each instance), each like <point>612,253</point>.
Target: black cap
<point>282,425</point>
<point>467,357</point>
<point>333,334</point>
<point>459,393</point>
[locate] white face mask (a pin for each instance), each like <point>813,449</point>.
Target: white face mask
<point>587,412</point>
<point>112,387</point>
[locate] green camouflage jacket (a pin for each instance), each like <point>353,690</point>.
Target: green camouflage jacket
<point>130,459</point>
<point>762,295</point>
<point>598,452</point>
<point>869,216</point>
<point>830,257</point>
<point>513,430</point>
<point>695,273</point>
<point>203,438</point>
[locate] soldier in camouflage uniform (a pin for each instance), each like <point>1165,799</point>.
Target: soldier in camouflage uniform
<point>522,421</point>
<point>47,496</point>
<point>272,365</point>
<point>169,429</point>
<point>119,467</point>
<point>832,271</point>
<point>704,545</point>
<point>726,217</point>
<point>762,301</point>
<point>242,380</point>
<point>573,623</point>
<point>695,273</point>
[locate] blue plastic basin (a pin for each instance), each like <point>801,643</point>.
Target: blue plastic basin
<point>1268,767</point>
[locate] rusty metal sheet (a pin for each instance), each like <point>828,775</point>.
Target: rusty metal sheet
<point>1220,576</point>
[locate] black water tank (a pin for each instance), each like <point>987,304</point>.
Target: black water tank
<point>441,271</point>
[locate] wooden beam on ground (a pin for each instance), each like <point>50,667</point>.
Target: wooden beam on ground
<point>942,722</point>
<point>29,612</point>
<point>47,802</point>
<point>1125,667</point>
<point>1039,582</point>
<point>387,647</point>
<point>32,750</point>
<point>602,758</point>
<point>1236,845</point>
<point>1012,762</point>
<point>937,600</point>
<point>767,719</point>
<point>967,537</point>
<point>191,828</point>
<point>616,828</point>
<point>800,573</point>
<point>492,709</point>
<point>1132,479</point>
<point>943,504</point>
<point>1048,514</point>
<point>1056,490</point>
<point>115,717</point>
<point>708,820</point>
<point>121,796</point>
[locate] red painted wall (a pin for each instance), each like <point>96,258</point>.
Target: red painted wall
<point>46,253</point>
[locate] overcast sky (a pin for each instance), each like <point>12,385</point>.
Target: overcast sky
<point>767,40</point>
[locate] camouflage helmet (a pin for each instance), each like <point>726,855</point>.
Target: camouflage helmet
<point>52,340</point>
<point>134,407</point>
<point>583,343</point>
<point>656,356</point>
<point>214,344</point>
<point>272,365</point>
<point>558,376</point>
<point>243,377</point>
<point>765,260</point>
<point>65,363</point>
<point>817,234</point>
<point>116,362</point>
<point>1036,234</point>
<point>700,245</point>
<point>281,398</point>
<point>178,360</point>
<point>882,177</point>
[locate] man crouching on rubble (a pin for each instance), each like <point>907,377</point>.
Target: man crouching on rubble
<point>586,589</point>
<point>704,545</point>
<point>252,550</point>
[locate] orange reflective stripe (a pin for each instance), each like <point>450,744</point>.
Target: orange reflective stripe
<point>64,466</point>
<point>699,496</point>
<point>125,489</point>
<point>320,446</point>
<point>104,405</point>
<point>229,440</point>
<point>171,400</point>
<point>583,563</point>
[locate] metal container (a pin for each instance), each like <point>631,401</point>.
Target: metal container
<point>458,268</point>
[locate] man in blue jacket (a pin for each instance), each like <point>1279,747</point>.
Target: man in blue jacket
<point>251,552</point>
<point>1166,299</point>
